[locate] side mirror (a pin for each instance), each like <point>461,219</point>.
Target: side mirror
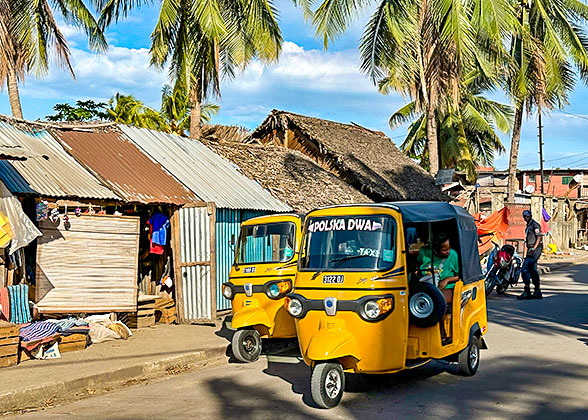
<point>232,239</point>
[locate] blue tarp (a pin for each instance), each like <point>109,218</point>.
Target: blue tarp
<point>423,212</point>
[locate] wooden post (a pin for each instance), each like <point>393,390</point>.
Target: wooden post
<point>175,242</point>
<point>212,213</point>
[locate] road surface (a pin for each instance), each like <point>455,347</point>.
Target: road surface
<point>536,368</point>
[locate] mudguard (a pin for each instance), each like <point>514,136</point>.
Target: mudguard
<point>250,315</point>
<point>332,341</point>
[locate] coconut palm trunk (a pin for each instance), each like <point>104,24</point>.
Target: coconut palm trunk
<point>432,135</point>
<point>195,110</point>
<point>13,95</point>
<point>514,153</point>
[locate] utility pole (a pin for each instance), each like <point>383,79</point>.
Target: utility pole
<point>540,127</point>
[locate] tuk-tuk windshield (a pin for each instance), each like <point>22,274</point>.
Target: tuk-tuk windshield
<point>351,243</point>
<point>266,243</point>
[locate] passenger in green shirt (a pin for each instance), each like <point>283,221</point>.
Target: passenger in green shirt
<point>445,264</point>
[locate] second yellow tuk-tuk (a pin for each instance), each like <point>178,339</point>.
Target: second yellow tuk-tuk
<point>366,298</point>
<point>262,274</point>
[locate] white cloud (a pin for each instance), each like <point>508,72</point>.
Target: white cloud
<point>99,76</point>
<point>302,69</point>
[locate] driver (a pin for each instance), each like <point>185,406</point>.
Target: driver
<point>443,264</point>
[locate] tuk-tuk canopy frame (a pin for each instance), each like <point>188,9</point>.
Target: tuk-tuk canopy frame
<point>428,212</point>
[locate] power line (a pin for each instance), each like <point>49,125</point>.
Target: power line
<point>556,159</point>
<point>584,117</point>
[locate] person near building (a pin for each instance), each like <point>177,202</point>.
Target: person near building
<point>534,244</point>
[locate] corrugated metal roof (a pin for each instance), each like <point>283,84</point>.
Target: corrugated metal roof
<point>11,148</point>
<point>125,168</point>
<point>52,173</point>
<point>208,175</point>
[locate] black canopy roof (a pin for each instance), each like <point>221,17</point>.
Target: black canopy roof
<point>423,211</point>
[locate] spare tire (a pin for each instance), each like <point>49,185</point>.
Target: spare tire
<point>426,304</point>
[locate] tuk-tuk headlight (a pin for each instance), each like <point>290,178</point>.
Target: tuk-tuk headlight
<point>371,309</point>
<point>294,307</point>
<point>228,291</point>
<point>277,290</point>
<point>376,309</point>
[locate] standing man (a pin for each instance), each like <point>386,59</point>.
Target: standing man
<point>534,243</point>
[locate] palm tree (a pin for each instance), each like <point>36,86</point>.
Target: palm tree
<point>175,109</point>
<point>125,109</point>
<point>422,48</point>
<point>467,135</point>
<point>29,33</point>
<point>543,56</point>
<point>204,40</point>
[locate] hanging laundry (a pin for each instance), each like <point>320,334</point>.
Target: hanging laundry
<point>42,210</point>
<point>18,306</point>
<point>160,225</point>
<point>545,229</point>
<point>4,304</point>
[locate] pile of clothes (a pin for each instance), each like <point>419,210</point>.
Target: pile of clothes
<point>40,338</point>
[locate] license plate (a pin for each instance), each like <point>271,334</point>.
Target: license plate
<point>333,279</point>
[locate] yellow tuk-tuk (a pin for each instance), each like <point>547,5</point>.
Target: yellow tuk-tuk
<point>262,275</point>
<point>366,297</point>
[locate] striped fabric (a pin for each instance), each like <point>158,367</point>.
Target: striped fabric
<point>5,302</point>
<point>68,323</point>
<point>20,312</point>
<point>38,330</point>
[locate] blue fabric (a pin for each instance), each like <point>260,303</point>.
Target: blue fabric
<point>38,330</point>
<point>529,269</point>
<point>433,211</point>
<point>20,312</point>
<point>160,225</point>
<point>68,323</point>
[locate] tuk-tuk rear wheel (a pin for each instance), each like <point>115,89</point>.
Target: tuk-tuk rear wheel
<point>468,360</point>
<point>327,384</point>
<point>246,344</point>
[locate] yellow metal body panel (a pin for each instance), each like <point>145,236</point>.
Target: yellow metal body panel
<point>332,341</point>
<point>426,342</point>
<point>268,316</point>
<point>386,345</point>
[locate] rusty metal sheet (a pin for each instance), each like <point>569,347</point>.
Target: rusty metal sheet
<point>52,172</point>
<point>126,169</point>
<point>208,175</point>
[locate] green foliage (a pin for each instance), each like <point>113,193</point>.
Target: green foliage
<point>175,109</point>
<point>202,41</point>
<point>125,109</point>
<point>467,135</point>
<point>83,111</point>
<point>30,34</point>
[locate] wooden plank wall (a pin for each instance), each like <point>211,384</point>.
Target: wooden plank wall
<point>90,267</point>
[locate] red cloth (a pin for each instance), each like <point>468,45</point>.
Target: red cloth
<point>153,247</point>
<point>5,302</point>
<point>496,223</point>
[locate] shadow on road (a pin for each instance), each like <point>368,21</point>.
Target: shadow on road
<point>513,388</point>
<point>561,311</point>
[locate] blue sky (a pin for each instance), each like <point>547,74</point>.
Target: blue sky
<point>306,80</point>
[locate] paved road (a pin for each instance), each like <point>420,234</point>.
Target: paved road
<point>536,368</point>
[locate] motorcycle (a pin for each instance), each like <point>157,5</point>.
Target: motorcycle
<point>503,269</point>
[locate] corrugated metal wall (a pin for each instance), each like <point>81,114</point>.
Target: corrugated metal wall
<point>195,247</point>
<point>228,222</point>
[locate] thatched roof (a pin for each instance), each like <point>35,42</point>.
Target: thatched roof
<point>289,175</point>
<point>366,159</point>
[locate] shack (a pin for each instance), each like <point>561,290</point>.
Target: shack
<point>228,198</point>
<point>365,159</point>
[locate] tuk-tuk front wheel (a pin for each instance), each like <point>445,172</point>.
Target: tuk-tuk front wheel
<point>468,360</point>
<point>327,384</point>
<point>246,345</point>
